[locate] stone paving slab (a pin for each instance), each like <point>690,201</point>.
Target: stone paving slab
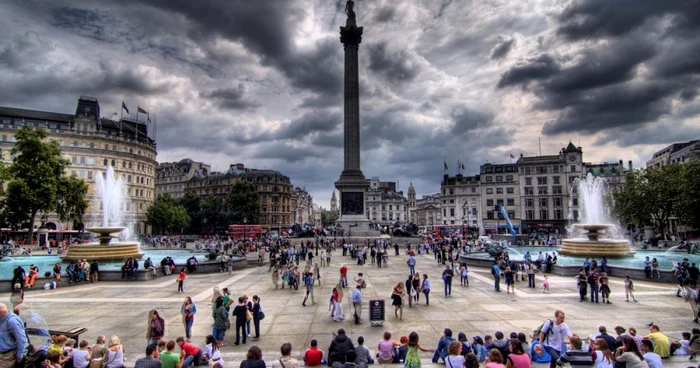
<point>120,308</point>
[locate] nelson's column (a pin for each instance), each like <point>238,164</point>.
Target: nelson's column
<point>352,185</point>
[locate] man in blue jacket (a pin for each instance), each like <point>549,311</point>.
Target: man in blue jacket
<point>443,344</point>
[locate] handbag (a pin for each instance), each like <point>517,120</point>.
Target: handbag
<point>248,315</point>
<point>228,324</point>
<point>261,314</point>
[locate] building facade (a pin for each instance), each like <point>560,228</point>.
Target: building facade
<point>548,200</point>
<point>92,144</point>
<point>460,201</point>
<point>171,177</point>
<point>428,210</point>
<point>274,189</point>
<point>500,186</point>
<point>675,153</point>
<point>302,207</point>
<point>385,205</point>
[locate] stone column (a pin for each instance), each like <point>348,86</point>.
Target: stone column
<point>350,37</point>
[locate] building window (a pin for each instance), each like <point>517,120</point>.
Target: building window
<point>556,189</point>
<point>543,202</point>
<point>489,215</point>
<point>113,163</point>
<point>528,181</point>
<point>474,211</point>
<point>575,214</point>
<point>529,190</point>
<point>510,202</point>
<point>544,214</point>
<point>573,168</point>
<point>452,212</point>
<point>473,189</point>
<point>542,180</point>
<point>527,170</point>
<point>529,202</point>
<point>574,201</point>
<point>89,175</point>
<point>489,202</point>
<point>509,177</point>
<point>510,190</point>
<point>555,179</point>
<point>82,160</point>
<point>452,191</point>
<point>558,215</point>
<point>489,178</point>
<point>529,214</point>
<point>499,178</point>
<point>499,201</point>
<point>555,169</point>
<point>557,202</point>
<point>128,179</point>
<point>74,160</point>
<point>542,190</point>
<point>130,165</point>
<point>541,169</point>
<point>499,190</point>
<point>489,190</point>
<point>511,214</point>
<point>75,143</point>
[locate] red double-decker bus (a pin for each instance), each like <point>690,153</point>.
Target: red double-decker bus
<point>245,231</point>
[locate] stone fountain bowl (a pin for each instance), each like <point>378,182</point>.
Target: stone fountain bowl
<point>105,231</point>
<point>593,227</point>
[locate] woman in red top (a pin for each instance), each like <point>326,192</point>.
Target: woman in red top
<point>344,275</point>
<point>181,281</point>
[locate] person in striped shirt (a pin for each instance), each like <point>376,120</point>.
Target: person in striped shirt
<point>576,356</point>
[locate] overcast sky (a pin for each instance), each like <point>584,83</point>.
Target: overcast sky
<point>260,81</point>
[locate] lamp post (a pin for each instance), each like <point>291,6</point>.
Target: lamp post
<point>279,229</point>
<point>245,222</point>
<point>463,227</point>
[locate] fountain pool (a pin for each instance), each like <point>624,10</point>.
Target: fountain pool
<point>635,260</point>
<point>46,263</point>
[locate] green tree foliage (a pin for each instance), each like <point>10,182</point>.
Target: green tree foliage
<point>212,213</point>
<point>328,217</point>
<point>243,202</point>
<point>689,202</point>
<point>193,205</point>
<point>166,216</point>
<point>37,182</point>
<point>651,196</point>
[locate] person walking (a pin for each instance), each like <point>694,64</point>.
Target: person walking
<point>188,311</point>
<point>309,283</point>
<point>531,269</point>
<point>240,312</point>
<point>156,328</point>
<point>447,276</point>
<point>397,300</point>
<point>604,288</point>
<point>425,288</point>
<point>510,281</point>
<point>410,290</point>
<point>593,283</point>
<point>221,321</point>
<point>181,281</point>
<point>464,275</point>
<point>629,288</point>
<point>552,336</point>
<point>357,303</point>
<point>411,264</point>
<point>496,272</point>
<point>258,315</point>
<point>582,285</point>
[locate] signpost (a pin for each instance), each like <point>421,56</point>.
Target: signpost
<point>376,312</point>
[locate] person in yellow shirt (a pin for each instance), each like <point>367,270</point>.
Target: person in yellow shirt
<point>662,345</point>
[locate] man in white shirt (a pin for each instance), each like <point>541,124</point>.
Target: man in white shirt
<point>553,335</point>
<point>357,302</point>
<point>652,359</point>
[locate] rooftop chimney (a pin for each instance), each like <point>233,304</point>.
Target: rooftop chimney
<point>629,164</point>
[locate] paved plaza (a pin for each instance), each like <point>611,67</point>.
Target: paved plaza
<point>120,308</point>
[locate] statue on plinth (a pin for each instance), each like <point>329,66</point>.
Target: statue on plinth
<point>349,9</point>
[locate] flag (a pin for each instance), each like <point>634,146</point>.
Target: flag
<point>124,107</point>
<point>142,111</point>
<point>511,156</point>
<point>462,165</point>
<point>148,119</point>
<point>445,162</point>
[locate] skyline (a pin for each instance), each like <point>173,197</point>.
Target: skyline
<point>261,83</point>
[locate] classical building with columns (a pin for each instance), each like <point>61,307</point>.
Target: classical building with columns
<point>92,143</point>
<point>460,201</point>
<point>302,207</point>
<point>384,204</point>
<point>428,210</point>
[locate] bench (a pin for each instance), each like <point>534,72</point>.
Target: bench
<point>74,333</point>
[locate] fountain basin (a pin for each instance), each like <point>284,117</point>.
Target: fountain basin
<point>115,252</point>
<point>581,247</point>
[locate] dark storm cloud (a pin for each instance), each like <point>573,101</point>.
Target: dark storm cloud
<point>466,119</point>
<point>24,51</point>
<point>502,47</point>
<point>534,68</point>
<point>602,18</point>
<point>395,66</point>
<point>96,24</point>
<point>287,152</point>
<point>234,98</point>
<point>384,14</point>
<point>310,124</point>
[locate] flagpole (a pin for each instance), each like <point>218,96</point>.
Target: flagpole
<point>121,118</point>
<point>136,126</point>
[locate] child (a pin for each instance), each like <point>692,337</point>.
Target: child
<point>545,284</point>
<point>684,344</point>
<point>181,281</point>
<point>629,288</point>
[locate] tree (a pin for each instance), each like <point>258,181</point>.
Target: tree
<point>193,205</point>
<point>37,174</point>
<point>243,202</point>
<point>167,216</point>
<point>328,217</point>
<point>212,212</point>
<point>689,202</point>
<point>650,196</point>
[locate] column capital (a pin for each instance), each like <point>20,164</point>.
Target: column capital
<point>350,35</point>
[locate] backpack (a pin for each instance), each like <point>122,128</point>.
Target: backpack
<point>363,284</point>
<point>546,334</point>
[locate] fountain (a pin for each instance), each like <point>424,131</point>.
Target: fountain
<point>594,221</point>
<point>110,189</point>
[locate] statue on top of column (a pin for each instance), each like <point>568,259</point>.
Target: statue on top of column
<point>349,9</point>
